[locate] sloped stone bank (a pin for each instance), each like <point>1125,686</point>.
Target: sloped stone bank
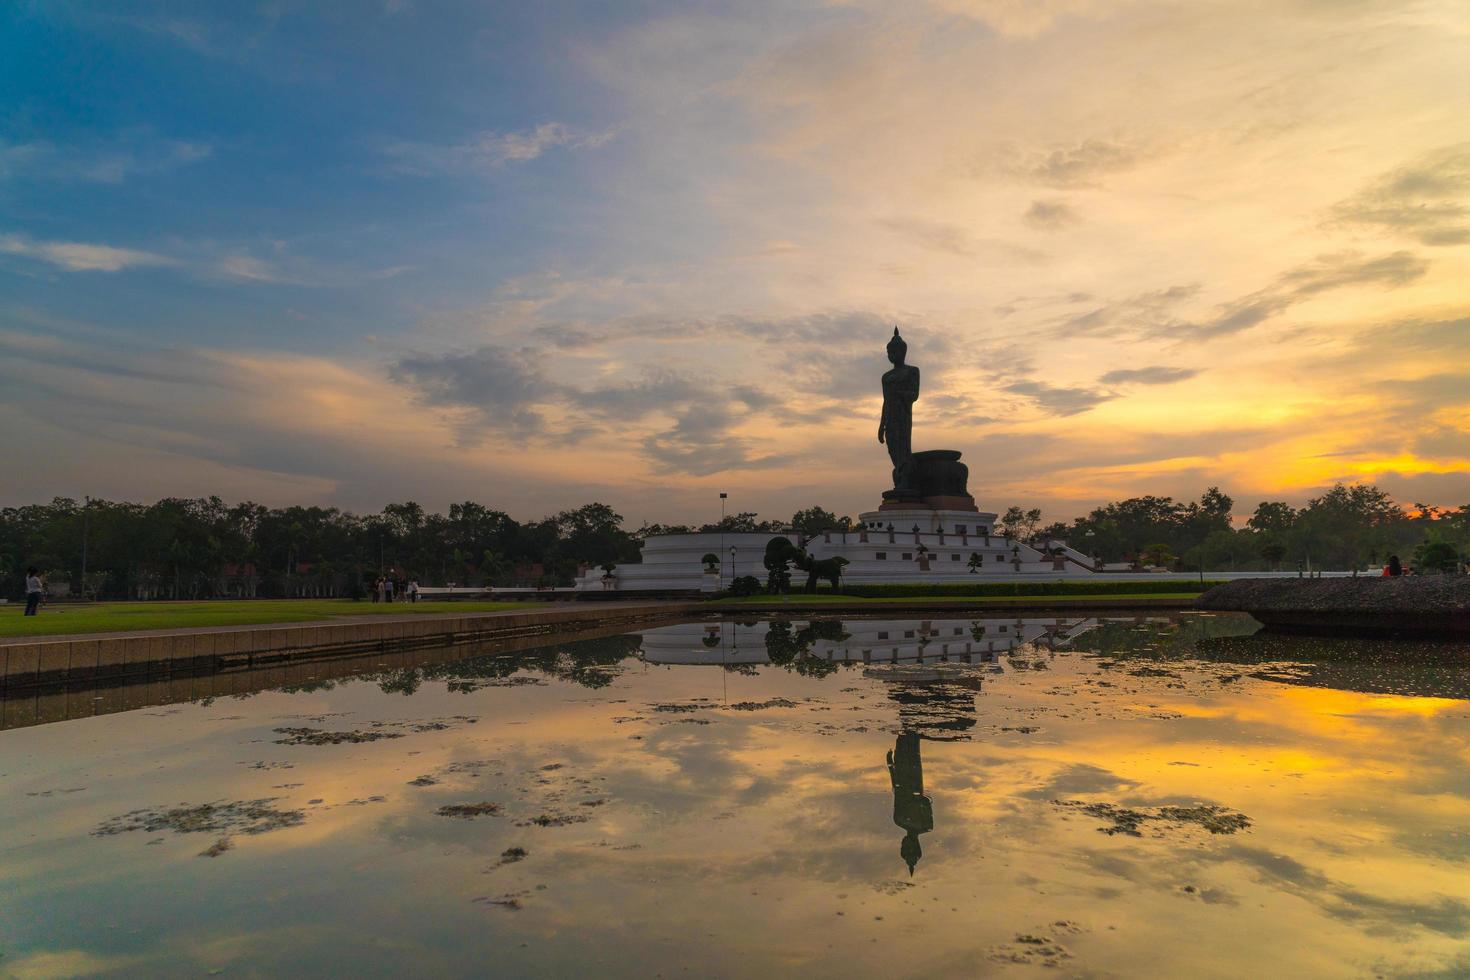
<point>1408,605</point>
<point>68,659</point>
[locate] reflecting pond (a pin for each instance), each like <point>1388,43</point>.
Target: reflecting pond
<point>1080,797</point>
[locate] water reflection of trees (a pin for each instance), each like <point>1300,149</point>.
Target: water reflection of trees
<point>792,648</point>
<point>591,663</point>
<point>1413,668</point>
<point>1408,668</point>
<point>1173,638</point>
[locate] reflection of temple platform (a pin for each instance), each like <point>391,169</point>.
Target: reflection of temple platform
<point>868,641</point>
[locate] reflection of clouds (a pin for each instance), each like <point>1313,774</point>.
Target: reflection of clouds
<point>1080,778</point>
<point>1374,913</point>
<point>794,805</point>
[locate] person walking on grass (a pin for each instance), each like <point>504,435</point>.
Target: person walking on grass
<point>377,590</point>
<point>413,590</point>
<point>388,589</point>
<point>34,588</point>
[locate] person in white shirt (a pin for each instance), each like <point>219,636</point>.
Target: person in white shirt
<point>413,590</point>
<point>34,588</point>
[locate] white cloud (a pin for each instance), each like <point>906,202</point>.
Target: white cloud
<point>99,161</point>
<point>489,150</point>
<point>249,268</point>
<point>82,256</point>
<point>1024,18</point>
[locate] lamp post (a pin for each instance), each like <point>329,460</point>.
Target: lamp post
<point>723,496</point>
<point>86,513</point>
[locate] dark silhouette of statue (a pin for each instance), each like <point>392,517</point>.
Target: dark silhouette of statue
<point>912,810</point>
<point>934,478</point>
<point>780,552</point>
<point>896,429</point>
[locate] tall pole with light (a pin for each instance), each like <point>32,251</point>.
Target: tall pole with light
<point>86,514</point>
<point>721,583</point>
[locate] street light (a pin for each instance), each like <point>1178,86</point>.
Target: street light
<point>721,582</point>
<point>86,513</point>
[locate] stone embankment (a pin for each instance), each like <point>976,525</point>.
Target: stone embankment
<point>1409,605</point>
<point>30,662</point>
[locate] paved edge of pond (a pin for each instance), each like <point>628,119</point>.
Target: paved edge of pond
<point>1411,605</point>
<point>165,683</point>
<point>39,661</point>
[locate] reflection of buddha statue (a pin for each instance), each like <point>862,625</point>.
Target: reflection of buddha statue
<point>943,711</point>
<point>911,808</point>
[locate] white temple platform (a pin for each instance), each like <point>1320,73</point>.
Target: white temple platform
<point>890,546</point>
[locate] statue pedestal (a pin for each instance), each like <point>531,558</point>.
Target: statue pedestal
<point>938,481</point>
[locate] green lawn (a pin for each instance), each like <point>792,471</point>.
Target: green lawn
<point>1030,600</point>
<point>105,617</point>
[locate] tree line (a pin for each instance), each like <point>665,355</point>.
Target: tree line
<point>205,548</point>
<point>1354,526</point>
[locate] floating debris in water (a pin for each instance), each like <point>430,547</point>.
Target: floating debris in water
<point>469,810</point>
<point>217,848</point>
<point>1039,947</point>
<point>52,792</point>
<point>316,736</point>
<point>1124,820</point>
<point>241,817</point>
<point>554,820</point>
<point>762,705</point>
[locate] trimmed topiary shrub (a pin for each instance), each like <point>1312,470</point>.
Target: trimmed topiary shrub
<point>745,585</point>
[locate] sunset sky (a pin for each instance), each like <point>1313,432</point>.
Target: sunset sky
<point>538,254</point>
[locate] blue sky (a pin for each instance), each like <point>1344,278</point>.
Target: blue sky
<point>538,254</point>
<point>265,138</point>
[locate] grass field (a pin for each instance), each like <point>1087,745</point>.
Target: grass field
<point>106,617</point>
<point>991,600</point>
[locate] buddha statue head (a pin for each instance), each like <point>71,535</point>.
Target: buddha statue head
<point>897,348</point>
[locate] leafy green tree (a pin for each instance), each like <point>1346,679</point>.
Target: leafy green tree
<point>1437,558</point>
<point>815,520</point>
<point>1159,555</point>
<point>1272,516</point>
<point>743,523</point>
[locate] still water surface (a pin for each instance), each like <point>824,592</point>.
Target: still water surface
<point>1074,797</point>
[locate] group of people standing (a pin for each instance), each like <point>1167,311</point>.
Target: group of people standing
<point>385,588</point>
